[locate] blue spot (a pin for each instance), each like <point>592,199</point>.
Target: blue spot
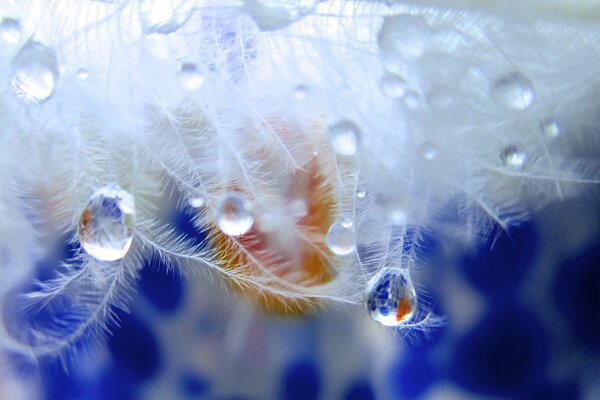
<point>411,378</point>
<point>117,383</point>
<point>164,289</point>
<point>193,384</point>
<point>134,347</point>
<point>360,391</point>
<point>302,381</point>
<point>183,223</point>
<point>504,354</point>
<point>59,385</point>
<point>554,391</point>
<point>499,266</point>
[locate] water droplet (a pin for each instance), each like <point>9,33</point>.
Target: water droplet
<point>35,73</point>
<point>10,30</point>
<point>411,99</point>
<point>513,91</point>
<point>301,92</point>
<point>550,127</point>
<point>514,156</point>
<point>346,221</point>
<point>197,201</point>
<point>107,222</point>
<point>390,297</point>
<point>164,16</point>
<point>83,74</point>
<point>361,193</point>
<point>234,215</point>
<point>340,239</point>
<point>298,208</point>
<point>403,36</point>
<point>393,86</point>
<point>272,15</point>
<point>428,151</point>
<point>190,78</point>
<point>441,98</point>
<point>344,136</point>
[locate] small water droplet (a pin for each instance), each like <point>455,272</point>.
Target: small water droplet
<point>428,151</point>
<point>298,208</point>
<point>360,193</point>
<point>234,214</point>
<point>513,91</point>
<point>441,97</point>
<point>301,92</point>
<point>390,297</point>
<point>164,16</point>
<point>514,156</point>
<point>341,240</point>
<point>551,127</point>
<point>197,201</point>
<point>35,72</point>
<point>83,74</point>
<point>10,30</point>
<point>403,36</point>
<point>393,86</point>
<point>107,222</point>
<point>411,99</point>
<point>190,78</point>
<point>272,15</point>
<point>347,221</point>
<point>344,137</point>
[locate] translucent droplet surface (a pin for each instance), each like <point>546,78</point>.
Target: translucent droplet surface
<point>361,193</point>
<point>298,208</point>
<point>190,77</point>
<point>428,151</point>
<point>403,36</point>
<point>344,137</point>
<point>341,239</point>
<point>164,16</point>
<point>35,73</point>
<point>234,214</point>
<point>272,15</point>
<point>83,74</point>
<point>197,201</point>
<point>411,99</point>
<point>390,297</point>
<point>347,221</point>
<point>513,91</point>
<point>514,156</point>
<point>393,86</point>
<point>107,222</point>
<point>10,30</point>
<point>301,92</point>
<point>550,127</point>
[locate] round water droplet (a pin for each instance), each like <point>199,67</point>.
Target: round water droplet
<point>403,36</point>
<point>301,92</point>
<point>190,78</point>
<point>361,193</point>
<point>197,201</point>
<point>164,16</point>
<point>513,91</point>
<point>550,127</point>
<point>234,214</point>
<point>83,74</point>
<point>344,137</point>
<point>390,297</point>
<point>514,156</point>
<point>428,151</point>
<point>272,15</point>
<point>298,208</point>
<point>35,72</point>
<point>340,239</point>
<point>10,30</point>
<point>411,99</point>
<point>107,222</point>
<point>393,86</point>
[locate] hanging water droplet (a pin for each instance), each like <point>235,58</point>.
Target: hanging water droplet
<point>551,127</point>
<point>301,92</point>
<point>35,72</point>
<point>428,151</point>
<point>164,16</point>
<point>390,297</point>
<point>234,214</point>
<point>340,239</point>
<point>190,78</point>
<point>393,86</point>
<point>197,201</point>
<point>344,137</point>
<point>10,30</point>
<point>513,91</point>
<point>107,222</point>
<point>83,74</point>
<point>403,36</point>
<point>514,156</point>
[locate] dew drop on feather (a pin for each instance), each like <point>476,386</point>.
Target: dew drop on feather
<point>344,137</point>
<point>341,239</point>
<point>428,151</point>
<point>550,127</point>
<point>190,77</point>
<point>393,86</point>
<point>164,16</point>
<point>403,36</point>
<point>514,156</point>
<point>390,297</point>
<point>35,73</point>
<point>234,214</point>
<point>513,91</point>
<point>106,224</point>
<point>10,30</point>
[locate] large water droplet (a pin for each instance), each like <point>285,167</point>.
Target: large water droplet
<point>514,156</point>
<point>513,91</point>
<point>550,127</point>
<point>341,239</point>
<point>10,30</point>
<point>164,16</point>
<point>190,78</point>
<point>107,222</point>
<point>234,215</point>
<point>35,72</point>
<point>390,297</point>
<point>403,36</point>
<point>393,86</point>
<point>344,137</point>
